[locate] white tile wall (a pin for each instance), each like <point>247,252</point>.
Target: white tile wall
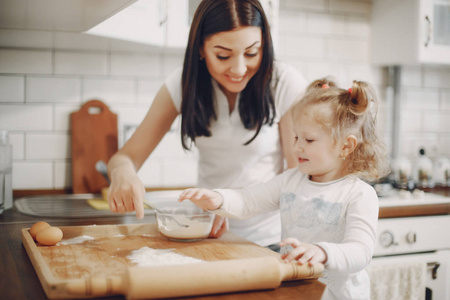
<point>81,63</point>
<point>48,146</point>
<point>136,64</point>
<point>75,41</point>
<point>110,91</point>
<point>26,117</point>
<point>25,61</point>
<point>12,88</point>
<point>33,175</point>
<point>53,89</point>
<point>45,76</point>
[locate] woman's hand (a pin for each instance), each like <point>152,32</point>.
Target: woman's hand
<point>203,198</point>
<point>303,252</point>
<point>126,193</point>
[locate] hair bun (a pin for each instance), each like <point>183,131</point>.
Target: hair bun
<point>359,97</point>
<point>322,83</point>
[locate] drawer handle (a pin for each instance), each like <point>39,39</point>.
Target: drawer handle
<point>433,266</point>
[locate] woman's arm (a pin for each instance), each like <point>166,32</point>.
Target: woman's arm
<point>126,190</point>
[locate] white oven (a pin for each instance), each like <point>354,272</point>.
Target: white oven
<point>412,240</point>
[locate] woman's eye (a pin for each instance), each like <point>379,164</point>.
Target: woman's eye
<point>252,54</point>
<point>222,57</point>
<point>309,141</point>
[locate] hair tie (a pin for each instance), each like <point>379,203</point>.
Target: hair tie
<point>325,86</point>
<point>350,90</point>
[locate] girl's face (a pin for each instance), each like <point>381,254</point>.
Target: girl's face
<point>233,57</point>
<point>317,153</point>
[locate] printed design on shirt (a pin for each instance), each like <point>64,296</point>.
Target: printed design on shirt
<point>309,212</point>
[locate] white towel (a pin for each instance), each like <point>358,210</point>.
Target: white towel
<point>397,280</point>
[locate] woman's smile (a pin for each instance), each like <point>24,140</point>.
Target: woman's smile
<point>235,79</point>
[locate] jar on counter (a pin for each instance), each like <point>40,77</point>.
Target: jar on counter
<point>6,197</point>
<point>441,172</point>
<point>423,171</point>
<point>402,168</point>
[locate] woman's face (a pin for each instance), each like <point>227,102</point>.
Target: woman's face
<point>233,57</point>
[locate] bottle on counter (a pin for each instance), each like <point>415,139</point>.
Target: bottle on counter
<point>423,171</point>
<point>6,196</point>
<point>441,174</point>
<point>402,168</point>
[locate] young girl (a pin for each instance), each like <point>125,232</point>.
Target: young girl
<point>329,215</point>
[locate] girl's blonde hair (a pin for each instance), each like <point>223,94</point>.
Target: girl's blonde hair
<point>351,111</point>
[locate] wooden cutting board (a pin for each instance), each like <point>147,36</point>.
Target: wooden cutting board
<point>94,138</point>
<point>58,265</point>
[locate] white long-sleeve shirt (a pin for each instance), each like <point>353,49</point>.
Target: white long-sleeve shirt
<point>340,216</point>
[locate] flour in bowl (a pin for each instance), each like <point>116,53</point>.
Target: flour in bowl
<point>196,229</point>
<point>149,257</point>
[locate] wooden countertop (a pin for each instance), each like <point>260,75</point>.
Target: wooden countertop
<point>385,212</point>
<point>23,283</point>
<point>19,279</point>
<point>418,210</point>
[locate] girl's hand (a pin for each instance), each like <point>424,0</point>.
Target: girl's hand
<point>203,198</point>
<point>126,193</point>
<point>303,252</point>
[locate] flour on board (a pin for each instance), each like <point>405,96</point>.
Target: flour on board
<point>77,240</point>
<point>149,257</point>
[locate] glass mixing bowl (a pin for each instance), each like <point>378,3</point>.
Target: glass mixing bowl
<point>183,222</point>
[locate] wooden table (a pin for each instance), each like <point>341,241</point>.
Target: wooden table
<point>19,279</point>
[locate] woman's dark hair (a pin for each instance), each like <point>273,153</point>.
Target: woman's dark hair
<point>256,103</point>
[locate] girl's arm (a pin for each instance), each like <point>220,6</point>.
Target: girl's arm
<point>126,190</point>
<point>356,249</point>
<point>238,203</point>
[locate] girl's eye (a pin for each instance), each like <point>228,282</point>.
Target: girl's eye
<point>252,54</point>
<point>309,141</point>
<point>222,57</point>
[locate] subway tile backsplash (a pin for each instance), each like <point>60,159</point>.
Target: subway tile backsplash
<point>45,76</point>
<point>52,89</point>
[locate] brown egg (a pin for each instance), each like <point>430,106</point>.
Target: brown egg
<point>49,236</point>
<point>34,230</point>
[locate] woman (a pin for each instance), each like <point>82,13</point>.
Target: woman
<point>233,100</point>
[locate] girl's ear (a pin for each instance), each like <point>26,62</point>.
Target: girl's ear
<point>349,145</point>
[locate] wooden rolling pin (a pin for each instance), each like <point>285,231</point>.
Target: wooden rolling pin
<point>195,279</point>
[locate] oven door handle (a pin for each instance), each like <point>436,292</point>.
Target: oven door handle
<point>433,266</point>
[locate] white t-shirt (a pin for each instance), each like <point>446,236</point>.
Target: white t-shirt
<point>340,216</point>
<point>224,161</point>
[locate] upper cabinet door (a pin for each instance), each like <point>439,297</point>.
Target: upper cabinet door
<point>181,12</point>
<point>164,23</point>
<point>435,25</point>
<point>409,32</point>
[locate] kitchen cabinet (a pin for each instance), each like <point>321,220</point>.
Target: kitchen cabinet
<point>179,16</point>
<point>67,15</point>
<point>164,23</point>
<point>410,32</point>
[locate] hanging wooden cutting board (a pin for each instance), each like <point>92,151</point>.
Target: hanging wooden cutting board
<point>94,138</point>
